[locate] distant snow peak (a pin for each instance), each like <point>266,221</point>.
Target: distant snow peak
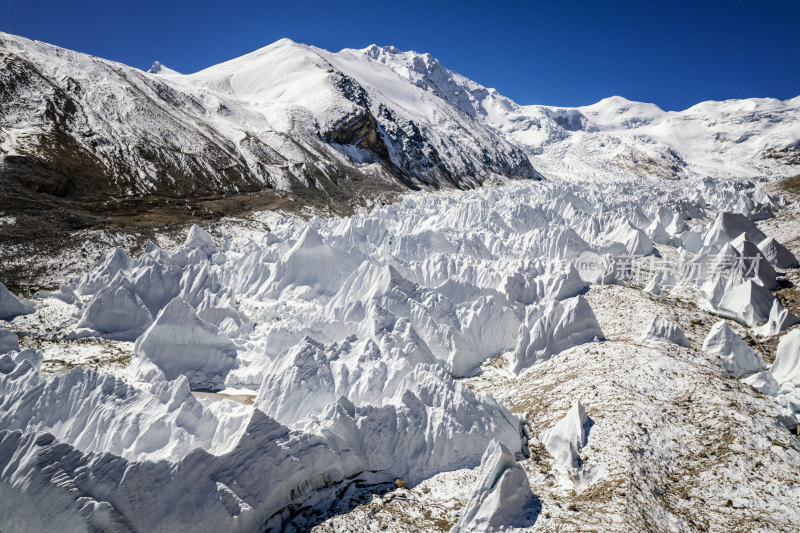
<point>156,67</point>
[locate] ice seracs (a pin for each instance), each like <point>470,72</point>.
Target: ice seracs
<point>779,319</point>
<point>243,489</point>
<point>727,227</point>
<point>8,341</point>
<point>749,303</point>
<point>663,330</point>
<point>753,262</point>
<point>115,312</point>
<point>101,413</point>
<point>388,399</point>
<point>501,499</point>
<point>556,327</point>
<point>199,239</point>
<point>179,343</point>
<point>786,368</point>
<point>564,442</point>
<point>735,356</point>
<point>654,286</point>
<point>777,254</point>
<point>372,341</point>
<point>103,272</point>
<point>12,306</point>
<point>763,382</point>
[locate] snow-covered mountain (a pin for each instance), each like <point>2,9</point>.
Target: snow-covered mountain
<point>619,138</point>
<point>287,116</point>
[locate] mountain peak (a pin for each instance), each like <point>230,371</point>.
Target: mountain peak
<point>388,54</point>
<point>375,50</point>
<point>284,42</point>
<point>159,68</point>
<point>156,67</point>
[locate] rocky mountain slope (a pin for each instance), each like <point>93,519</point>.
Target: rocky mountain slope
<point>286,117</point>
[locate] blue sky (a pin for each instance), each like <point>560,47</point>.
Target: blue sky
<point>674,54</point>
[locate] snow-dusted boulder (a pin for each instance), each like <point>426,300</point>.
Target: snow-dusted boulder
<point>663,330</point>
<point>179,343</point>
<point>777,254</point>
<point>115,312</point>
<point>735,356</point>
<point>786,368</point>
<point>11,305</point>
<point>501,498</point>
<point>553,329</point>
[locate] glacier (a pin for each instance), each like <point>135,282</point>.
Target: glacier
<point>356,340</point>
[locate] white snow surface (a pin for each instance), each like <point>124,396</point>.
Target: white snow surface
<point>619,137</point>
<point>277,114</point>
